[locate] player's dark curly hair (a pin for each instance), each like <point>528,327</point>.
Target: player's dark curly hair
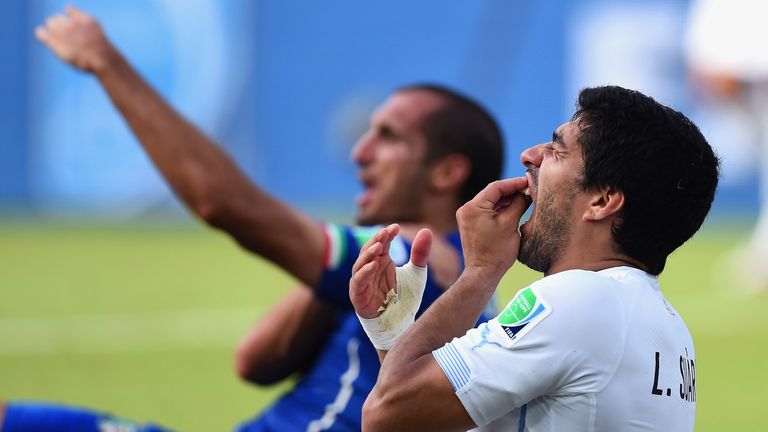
<point>658,158</point>
<point>463,126</point>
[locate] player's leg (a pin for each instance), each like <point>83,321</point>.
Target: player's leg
<point>47,417</point>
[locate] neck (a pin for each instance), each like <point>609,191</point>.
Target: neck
<point>596,265</point>
<point>592,252</point>
<point>440,215</point>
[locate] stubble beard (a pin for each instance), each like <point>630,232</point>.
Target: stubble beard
<point>548,237</point>
<point>403,206</point>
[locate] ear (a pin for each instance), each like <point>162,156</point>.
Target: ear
<point>450,172</point>
<point>604,203</point>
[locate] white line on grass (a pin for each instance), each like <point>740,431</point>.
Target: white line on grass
<point>149,331</point>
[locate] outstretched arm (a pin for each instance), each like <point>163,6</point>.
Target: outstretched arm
<point>412,392</point>
<point>200,173</point>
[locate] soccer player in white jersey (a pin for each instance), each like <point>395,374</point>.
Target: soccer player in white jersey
<point>593,346</point>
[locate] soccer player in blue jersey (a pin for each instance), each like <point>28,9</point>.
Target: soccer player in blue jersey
<point>428,150</point>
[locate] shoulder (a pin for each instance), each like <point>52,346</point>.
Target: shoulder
<point>581,305</point>
<point>577,288</point>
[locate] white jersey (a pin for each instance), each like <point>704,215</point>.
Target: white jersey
<point>578,351</point>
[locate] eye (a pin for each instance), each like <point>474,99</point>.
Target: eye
<point>385,132</point>
<point>551,149</point>
<point>558,154</point>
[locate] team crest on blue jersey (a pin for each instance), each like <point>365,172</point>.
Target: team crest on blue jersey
<point>522,313</point>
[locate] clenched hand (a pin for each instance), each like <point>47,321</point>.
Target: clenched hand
<point>78,39</point>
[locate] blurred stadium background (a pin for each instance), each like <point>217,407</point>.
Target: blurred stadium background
<point>113,297</point>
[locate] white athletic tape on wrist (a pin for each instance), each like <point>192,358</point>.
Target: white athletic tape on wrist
<point>400,312</point>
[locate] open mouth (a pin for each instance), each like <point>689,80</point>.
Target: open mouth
<point>532,183</point>
<point>369,185</point>
<point>530,194</point>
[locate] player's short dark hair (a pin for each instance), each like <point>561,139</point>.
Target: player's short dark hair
<point>463,126</point>
<point>658,158</point>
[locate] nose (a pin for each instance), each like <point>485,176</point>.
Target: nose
<point>532,156</point>
<point>362,152</point>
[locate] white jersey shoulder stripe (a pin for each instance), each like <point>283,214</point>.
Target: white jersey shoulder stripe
<point>456,369</point>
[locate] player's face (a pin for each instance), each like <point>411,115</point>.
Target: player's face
<point>391,157</point>
<point>555,170</point>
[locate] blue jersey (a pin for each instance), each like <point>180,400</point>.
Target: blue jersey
<point>330,395</point>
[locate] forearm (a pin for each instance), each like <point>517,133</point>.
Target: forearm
<point>207,179</point>
<point>409,373</point>
<point>196,168</point>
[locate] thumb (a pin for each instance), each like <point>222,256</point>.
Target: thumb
<point>74,12</point>
<point>42,35</point>
<point>422,244</point>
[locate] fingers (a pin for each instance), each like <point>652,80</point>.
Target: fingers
<point>60,22</point>
<point>45,33</point>
<point>77,15</point>
<point>380,236</point>
<point>512,207</point>
<point>494,192</point>
<point>422,244</point>
<point>390,233</point>
<point>42,35</point>
<point>363,277</point>
<point>497,198</point>
<point>74,12</point>
<point>56,22</point>
<point>383,238</point>
<point>367,255</point>
<point>360,290</point>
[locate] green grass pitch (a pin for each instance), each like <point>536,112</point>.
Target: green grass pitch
<point>142,321</point>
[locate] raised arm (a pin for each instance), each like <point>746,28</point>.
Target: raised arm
<point>200,173</point>
<point>412,392</point>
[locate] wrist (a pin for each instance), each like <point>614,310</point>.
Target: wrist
<point>105,61</point>
<point>482,276</point>
<point>399,311</point>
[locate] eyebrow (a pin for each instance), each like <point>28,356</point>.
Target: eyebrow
<point>558,139</point>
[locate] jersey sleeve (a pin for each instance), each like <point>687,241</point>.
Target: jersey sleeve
<point>539,345</point>
<point>343,245</point>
